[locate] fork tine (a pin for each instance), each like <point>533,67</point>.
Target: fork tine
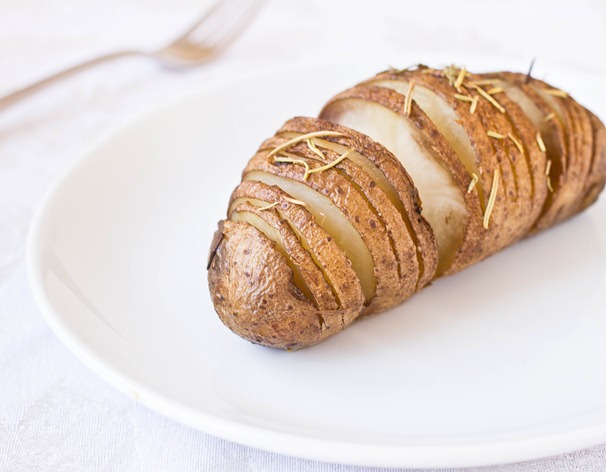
<point>229,21</point>
<point>233,27</point>
<point>215,10</point>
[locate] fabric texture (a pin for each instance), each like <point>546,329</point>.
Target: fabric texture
<point>56,415</point>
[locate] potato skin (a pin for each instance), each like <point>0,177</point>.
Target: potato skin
<point>412,258</point>
<point>330,258</point>
<point>559,149</point>
<point>394,172</point>
<point>312,276</point>
<point>253,293</point>
<point>356,209</point>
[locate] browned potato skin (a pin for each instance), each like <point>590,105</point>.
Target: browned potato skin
<point>579,136</point>
<point>523,191</point>
<point>574,163</point>
<point>396,235</point>
<point>575,145</point>
<point>354,206</point>
<point>397,225</point>
<point>516,177</point>
<point>558,151</point>
<point>313,277</point>
<point>536,160</point>
<point>253,293</point>
<point>580,167</point>
<point>331,260</point>
<point>395,173</point>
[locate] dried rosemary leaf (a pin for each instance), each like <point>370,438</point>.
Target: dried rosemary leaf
<point>303,137</point>
<point>541,143</point>
<point>474,181</point>
<point>332,163</point>
<point>408,100</point>
<point>495,135</point>
<point>517,143</point>
<point>491,199</point>
<point>492,101</point>
<point>267,207</point>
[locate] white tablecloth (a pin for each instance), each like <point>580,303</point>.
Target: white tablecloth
<point>55,415</point>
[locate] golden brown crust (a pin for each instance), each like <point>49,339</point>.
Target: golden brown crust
<point>521,131</point>
<point>582,130</point>
<point>253,293</point>
<point>578,136</point>
<point>352,203</point>
<point>329,258</point>
<point>312,276</point>
<point>396,223</point>
<point>556,140</point>
<point>391,168</point>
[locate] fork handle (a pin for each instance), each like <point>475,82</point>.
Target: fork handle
<point>31,89</point>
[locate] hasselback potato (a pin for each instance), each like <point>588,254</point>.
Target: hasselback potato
<point>408,176</point>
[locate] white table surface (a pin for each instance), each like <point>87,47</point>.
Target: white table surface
<point>55,415</point>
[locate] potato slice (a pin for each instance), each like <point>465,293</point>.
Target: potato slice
<point>390,176</point>
<point>465,130</point>
<point>523,117</point>
<point>580,168</point>
<point>514,130</point>
<point>546,167</point>
<point>333,221</point>
<point>327,255</point>
<point>397,238</point>
<point>344,213</point>
<point>547,120</point>
<point>253,293</point>
<point>378,190</point>
<point>306,274</point>
<point>490,118</point>
<point>443,116</point>
<point>579,136</point>
<point>379,114</point>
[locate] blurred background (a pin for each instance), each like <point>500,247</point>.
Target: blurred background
<point>40,380</point>
<point>39,37</point>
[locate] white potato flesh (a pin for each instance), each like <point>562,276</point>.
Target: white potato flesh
<point>274,235</point>
<point>526,104</point>
<point>445,119</point>
<point>534,113</point>
<point>334,222</point>
<point>443,202</point>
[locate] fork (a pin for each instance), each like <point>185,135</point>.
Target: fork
<point>208,37</point>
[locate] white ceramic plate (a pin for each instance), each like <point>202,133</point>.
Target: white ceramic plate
<point>503,362</point>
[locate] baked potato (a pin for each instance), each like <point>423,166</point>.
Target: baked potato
<point>408,176</point>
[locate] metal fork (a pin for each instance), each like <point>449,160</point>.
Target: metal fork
<point>208,37</point>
